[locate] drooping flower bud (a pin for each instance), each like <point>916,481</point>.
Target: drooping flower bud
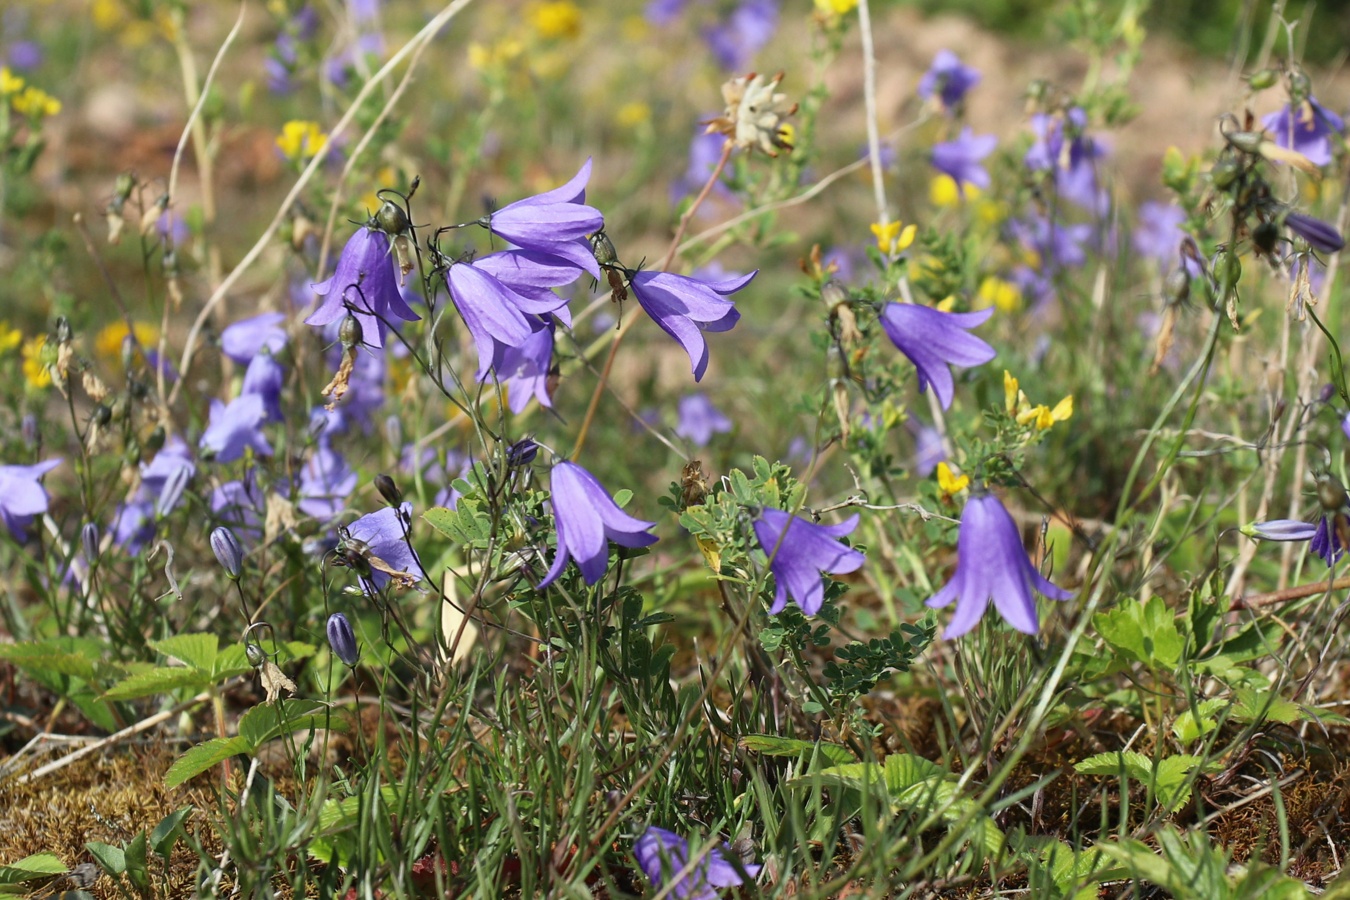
<point>1318,234</point>
<point>342,639</point>
<point>521,453</point>
<point>172,491</point>
<point>228,551</point>
<point>89,541</point>
<point>1330,493</point>
<point>388,490</point>
<point>349,332</point>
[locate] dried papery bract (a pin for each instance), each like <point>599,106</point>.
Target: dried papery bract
<point>755,114</point>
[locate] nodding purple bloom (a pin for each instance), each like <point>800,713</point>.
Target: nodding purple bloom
<point>992,564</point>
<point>366,282</point>
<point>265,377</point>
<point>494,313</point>
<point>1158,235</point>
<point>524,369</point>
<point>928,449</point>
<point>326,481</point>
<point>700,420</point>
<point>241,505</point>
<point>22,495</point>
<point>662,854</point>
<point>555,222</point>
<point>935,340</point>
<point>233,428</point>
<point>383,534</point>
<point>961,159</point>
<point>164,478</point>
<point>342,639</point>
<point>685,308</point>
<point>799,551</point>
<point>134,525</point>
<point>1324,541</point>
<point>246,338</point>
<point>949,79</point>
<point>1318,234</point>
<point>1062,146</point>
<point>229,552</point>
<point>586,517</point>
<point>663,12</point>
<point>1305,129</point>
<point>735,42</point>
<point>1058,246</point>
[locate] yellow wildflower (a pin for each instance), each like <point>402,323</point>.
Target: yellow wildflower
<point>9,337</point>
<point>1010,392</point>
<point>633,114</point>
<point>107,14</point>
<point>944,191</point>
<point>891,239</point>
<point>35,369</point>
<point>35,102</point>
<point>1040,415</point>
<point>301,139</point>
<point>1003,295</point>
<point>1063,409</point>
<point>949,483</point>
<point>499,54</point>
<point>108,342</point>
<point>9,82</point>
<point>835,7</point>
<point>559,19</point>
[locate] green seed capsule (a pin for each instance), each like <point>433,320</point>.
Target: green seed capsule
<point>1330,493</point>
<point>1224,173</point>
<point>1262,80</point>
<point>391,218</point>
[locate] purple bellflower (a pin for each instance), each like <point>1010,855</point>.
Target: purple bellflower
<point>992,564</point>
<point>365,281</point>
<point>663,12</point>
<point>134,525</point>
<point>1305,129</point>
<point>700,420</point>
<point>326,481</point>
<point>233,428</point>
<point>935,340</point>
<point>495,313</point>
<point>799,551</point>
<point>928,449</point>
<point>164,478</point>
<point>735,42</point>
<point>22,495</point>
<point>555,222</point>
<point>241,505</point>
<point>524,369</point>
<point>265,377</point>
<point>342,639</point>
<point>382,533</point>
<point>704,151</point>
<point>961,159</point>
<point>949,79</point>
<point>1319,235</point>
<point>686,307</point>
<point>1323,537</point>
<point>244,339</point>
<point>1062,146</point>
<point>1158,235</point>
<point>662,854</point>
<point>586,517</point>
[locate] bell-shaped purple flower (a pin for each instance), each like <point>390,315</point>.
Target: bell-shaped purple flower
<point>495,313</point>
<point>949,79</point>
<point>22,495</point>
<point>799,551</point>
<point>1158,235</point>
<point>241,504</point>
<point>326,481</point>
<point>366,282</point>
<point>229,552</point>
<point>735,41</point>
<point>524,370</point>
<point>233,428</point>
<point>1305,129</point>
<point>1326,539</point>
<point>1319,235</point>
<point>134,525</point>
<point>934,340</point>
<point>700,420</point>
<point>266,377</point>
<point>586,517</point>
<point>342,639</point>
<point>663,854</point>
<point>554,222</point>
<point>992,564</point>
<point>1280,530</point>
<point>1062,146</point>
<point>961,159</point>
<point>685,307</point>
<point>246,338</point>
<point>383,536</point>
<point>165,477</point>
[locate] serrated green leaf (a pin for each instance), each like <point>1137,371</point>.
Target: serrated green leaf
<point>1255,706</point>
<point>1135,765</point>
<point>1194,724</point>
<point>110,859</point>
<point>904,770</point>
<point>1147,632</point>
<point>202,757</point>
<point>195,650</point>
<point>773,745</point>
<point>46,656</point>
<point>158,681</point>
<point>31,868</point>
<point>269,720</point>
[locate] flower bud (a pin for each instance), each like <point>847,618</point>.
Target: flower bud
<point>256,655</point>
<point>228,552</point>
<point>342,639</point>
<point>1300,86</point>
<point>391,218</point>
<point>172,492</point>
<point>389,490</point>
<point>1225,172</point>
<point>1265,235</point>
<point>1280,530</point>
<point>1318,234</point>
<point>1246,141</point>
<point>521,453</point>
<point>89,541</point>
<point>1177,288</point>
<point>1326,392</point>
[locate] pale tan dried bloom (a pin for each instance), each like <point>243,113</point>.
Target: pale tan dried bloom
<point>94,386</point>
<point>274,681</point>
<point>755,114</point>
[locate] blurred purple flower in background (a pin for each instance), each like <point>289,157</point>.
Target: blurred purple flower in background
<point>235,427</point>
<point>265,377</point>
<point>928,449</point>
<point>22,495</point>
<point>242,340</point>
<point>700,420</point>
<point>935,340</point>
<point>241,505</point>
<point>164,477</point>
<point>799,551</point>
<point>961,159</point>
<point>735,41</point>
<point>992,565</point>
<point>586,517</point>
<point>366,282</point>
<point>524,369</point>
<point>664,12</point>
<point>1158,235</point>
<point>685,308</point>
<point>1062,146</point>
<point>1305,129</point>
<point>948,79</point>
<point>326,481</point>
<point>661,854</point>
<point>704,152</point>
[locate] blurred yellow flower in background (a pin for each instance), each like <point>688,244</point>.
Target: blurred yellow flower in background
<point>891,239</point>
<point>9,337</point>
<point>555,20</point>
<point>35,370</point>
<point>1003,295</point>
<point>301,139</point>
<point>108,342</point>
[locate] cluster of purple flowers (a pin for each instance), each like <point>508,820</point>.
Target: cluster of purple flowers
<point>733,40</point>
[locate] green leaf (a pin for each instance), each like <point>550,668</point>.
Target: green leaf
<point>48,656</point>
<point>1256,706</point>
<point>202,757</point>
<point>167,831</point>
<point>269,720</point>
<point>1135,765</point>
<point>1147,632</point>
<point>138,873</point>
<point>158,681</point>
<point>196,650</point>
<point>1194,724</point>
<point>31,868</point>
<point>772,745</point>
<point>110,859</point>
<point>904,770</point>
